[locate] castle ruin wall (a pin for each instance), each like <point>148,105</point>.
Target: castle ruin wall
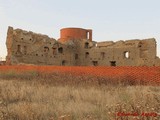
<point>76,48</point>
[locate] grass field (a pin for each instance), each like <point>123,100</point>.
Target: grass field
<point>82,93</point>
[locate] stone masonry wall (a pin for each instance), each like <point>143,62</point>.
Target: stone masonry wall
<point>77,49</point>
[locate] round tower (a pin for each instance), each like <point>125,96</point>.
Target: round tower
<point>75,33</point>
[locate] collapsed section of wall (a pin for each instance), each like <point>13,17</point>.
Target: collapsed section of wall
<point>31,48</point>
<point>125,53</point>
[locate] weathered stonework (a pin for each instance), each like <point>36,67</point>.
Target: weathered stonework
<point>76,48</point>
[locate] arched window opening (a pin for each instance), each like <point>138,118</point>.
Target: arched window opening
<point>63,62</point>
<point>86,45</point>
<point>88,35</point>
<point>25,50</point>
<point>54,50</point>
<point>102,55</point>
<point>87,55</point>
<point>76,56</point>
<point>96,44</point>
<point>46,49</point>
<point>126,54</point>
<point>18,48</point>
<point>60,50</point>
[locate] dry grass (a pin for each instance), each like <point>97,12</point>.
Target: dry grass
<point>29,95</point>
<point>30,100</point>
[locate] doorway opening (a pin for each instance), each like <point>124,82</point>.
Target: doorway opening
<point>63,62</point>
<point>95,63</point>
<point>113,63</point>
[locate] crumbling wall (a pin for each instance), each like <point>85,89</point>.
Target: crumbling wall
<point>124,53</point>
<point>31,48</point>
<point>76,48</point>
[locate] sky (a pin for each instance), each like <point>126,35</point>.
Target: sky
<point>110,20</point>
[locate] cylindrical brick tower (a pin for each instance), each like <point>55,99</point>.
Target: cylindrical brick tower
<point>75,33</point>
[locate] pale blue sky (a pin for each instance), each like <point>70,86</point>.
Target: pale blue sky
<point>109,19</point>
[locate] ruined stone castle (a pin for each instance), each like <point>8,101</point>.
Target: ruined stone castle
<point>75,47</point>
